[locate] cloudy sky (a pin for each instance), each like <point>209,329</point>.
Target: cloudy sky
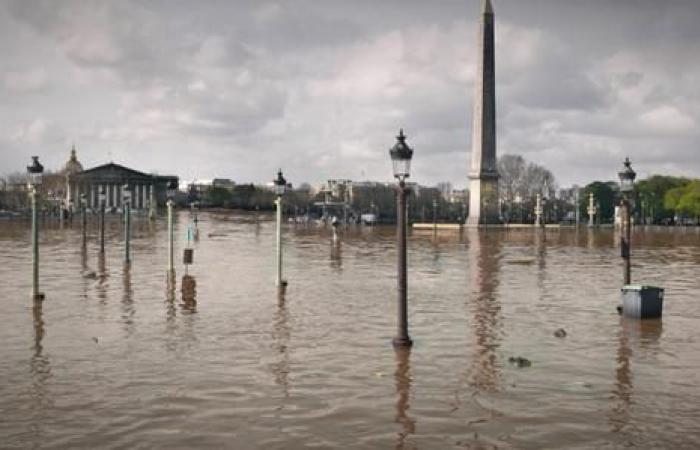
<point>237,88</point>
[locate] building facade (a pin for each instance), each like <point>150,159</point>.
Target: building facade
<point>146,189</point>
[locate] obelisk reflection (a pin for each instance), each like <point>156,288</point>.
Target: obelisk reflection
<point>484,257</point>
<point>402,377</point>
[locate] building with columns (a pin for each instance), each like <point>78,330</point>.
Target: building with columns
<point>146,188</point>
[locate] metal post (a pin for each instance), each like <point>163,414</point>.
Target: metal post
<point>625,236</point>
<point>278,282</point>
<point>84,225</point>
<point>171,264</point>
<point>36,295</point>
<point>102,226</point>
<point>402,339</point>
<point>434,213</point>
<point>127,231</point>
<point>576,200</point>
<point>538,210</point>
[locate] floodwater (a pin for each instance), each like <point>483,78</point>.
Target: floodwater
<point>116,358</point>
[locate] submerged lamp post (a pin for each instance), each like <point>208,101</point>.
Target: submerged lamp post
<point>34,178</point>
<point>83,206</point>
<point>401,155</point>
<point>102,196</point>
<point>280,188</point>
<point>172,190</point>
<point>126,197</point>
<point>627,176</point>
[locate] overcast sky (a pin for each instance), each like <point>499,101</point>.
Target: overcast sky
<point>236,89</point>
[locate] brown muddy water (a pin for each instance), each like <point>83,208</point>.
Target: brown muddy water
<point>113,358</point>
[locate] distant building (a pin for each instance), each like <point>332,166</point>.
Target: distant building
<point>223,183</point>
<point>146,188</point>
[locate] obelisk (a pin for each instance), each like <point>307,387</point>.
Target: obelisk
<point>483,176</point>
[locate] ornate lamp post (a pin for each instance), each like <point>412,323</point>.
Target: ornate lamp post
<point>126,198</point>
<point>592,210</point>
<point>102,197</point>
<point>172,191</point>
<point>627,176</point>
<point>280,189</point>
<point>401,155</point>
<point>34,178</point>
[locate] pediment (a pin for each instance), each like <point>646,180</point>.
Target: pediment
<point>111,172</point>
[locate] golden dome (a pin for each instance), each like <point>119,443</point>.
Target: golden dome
<point>73,165</point>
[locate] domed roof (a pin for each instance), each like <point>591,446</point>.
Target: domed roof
<point>73,165</point>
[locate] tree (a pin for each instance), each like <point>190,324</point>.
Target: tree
<point>520,182</point>
<point>684,200</point>
<point>651,193</point>
<point>604,196</point>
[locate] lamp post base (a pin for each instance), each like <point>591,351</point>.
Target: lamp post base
<point>402,342</point>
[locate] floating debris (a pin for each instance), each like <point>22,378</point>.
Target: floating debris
<point>95,339</point>
<point>520,261</point>
<point>520,361</point>
<point>560,333</point>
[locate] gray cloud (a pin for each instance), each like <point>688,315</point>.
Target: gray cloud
<point>237,89</point>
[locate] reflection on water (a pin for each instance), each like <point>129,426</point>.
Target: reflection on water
<point>485,308</point>
<point>128,309</point>
<point>336,254</point>
<point>281,333</point>
<point>217,363</point>
<point>642,336</point>
<point>402,380</point>
<point>188,289</point>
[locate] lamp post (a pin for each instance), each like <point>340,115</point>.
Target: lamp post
<point>627,176</point>
<point>576,211</point>
<point>102,197</point>
<point>34,178</point>
<point>126,197</point>
<point>280,188</point>
<point>592,210</point>
<point>401,155</point>
<point>172,190</point>
<point>435,205</point>
<point>538,210</point>
<point>83,206</point>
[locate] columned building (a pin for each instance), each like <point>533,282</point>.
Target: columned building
<point>147,189</point>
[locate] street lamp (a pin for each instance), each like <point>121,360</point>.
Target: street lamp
<point>627,176</point>
<point>34,178</point>
<point>280,189</point>
<point>435,205</point>
<point>171,192</point>
<point>83,206</point>
<point>126,198</point>
<point>102,197</point>
<point>592,210</point>
<point>401,155</point>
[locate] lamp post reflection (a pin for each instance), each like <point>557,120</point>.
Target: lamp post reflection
<point>281,334</point>
<point>484,254</point>
<point>188,289</point>
<point>128,311</point>
<point>336,254</point>
<point>402,378</point>
<point>642,336</point>
<point>40,365</point>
